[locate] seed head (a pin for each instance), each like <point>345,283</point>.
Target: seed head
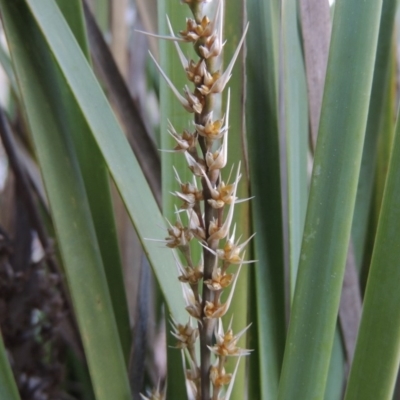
<point>185,334</point>
<point>185,142</point>
<point>179,236</point>
<point>211,47</point>
<point>211,130</point>
<point>191,275</point>
<point>230,253</point>
<point>194,31</point>
<point>219,378</point>
<point>219,280</point>
<point>226,342</point>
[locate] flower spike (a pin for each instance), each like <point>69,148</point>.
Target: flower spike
<point>208,209</point>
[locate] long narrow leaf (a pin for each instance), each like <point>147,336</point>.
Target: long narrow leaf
<point>37,78</point>
<point>295,128</point>
<point>96,179</point>
<point>237,152</point>
<point>316,32</point>
<point>113,145</point>
<point>335,381</point>
<point>377,355</point>
<point>263,139</point>
<point>376,112</point>
<point>332,196</point>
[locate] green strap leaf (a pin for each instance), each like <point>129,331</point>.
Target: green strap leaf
<point>96,179</point>
<point>331,201</point>
<point>376,115</point>
<point>114,147</point>
<point>377,357</point>
<point>38,79</point>
<point>237,152</point>
<point>263,142</point>
<point>295,127</point>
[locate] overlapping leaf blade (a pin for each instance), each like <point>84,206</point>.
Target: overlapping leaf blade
<point>38,79</point>
<point>295,128</point>
<point>268,311</point>
<point>331,202</point>
<point>113,145</point>
<point>96,179</point>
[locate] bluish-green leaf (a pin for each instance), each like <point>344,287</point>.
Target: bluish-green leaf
<point>331,201</point>
<point>38,79</point>
<point>376,361</point>
<point>96,179</point>
<point>295,127</point>
<point>266,207</point>
<point>113,145</point>
<point>377,107</point>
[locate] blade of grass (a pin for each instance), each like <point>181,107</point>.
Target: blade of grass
<point>376,361</point>
<point>37,77</point>
<point>384,148</point>
<point>385,140</point>
<point>331,202</point>
<point>113,145</point>
<point>8,386</point>
<point>253,375</point>
<point>335,381</point>
<point>237,151</point>
<point>295,128</point>
<point>73,13</point>
<point>316,32</point>
<point>175,372</point>
<point>375,116</point>
<point>263,141</point>
<point>96,179</point>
